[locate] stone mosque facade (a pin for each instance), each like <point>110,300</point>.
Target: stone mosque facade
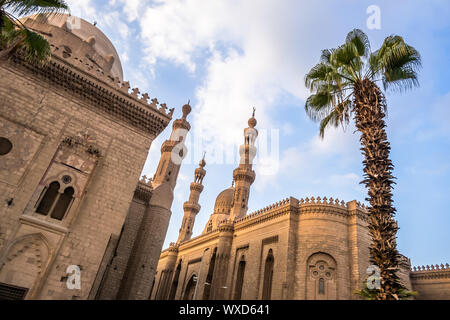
<point>78,222</point>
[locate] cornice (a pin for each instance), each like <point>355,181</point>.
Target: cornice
<point>196,241</point>
<point>430,275</point>
<point>284,207</point>
<point>112,98</point>
<point>430,272</point>
<point>143,191</point>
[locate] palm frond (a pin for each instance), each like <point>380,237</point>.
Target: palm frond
<point>397,63</point>
<point>360,40</point>
<point>318,75</point>
<point>36,48</point>
<point>400,79</point>
<point>26,7</point>
<point>319,105</point>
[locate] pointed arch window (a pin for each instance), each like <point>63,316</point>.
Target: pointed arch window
<point>190,288</point>
<point>51,192</point>
<point>268,276</point>
<point>209,276</point>
<point>173,290</point>
<point>240,279</point>
<point>55,203</point>
<point>63,203</point>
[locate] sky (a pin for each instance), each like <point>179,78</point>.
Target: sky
<point>227,57</point>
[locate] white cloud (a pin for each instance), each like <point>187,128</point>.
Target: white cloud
<point>254,54</point>
<point>133,8</point>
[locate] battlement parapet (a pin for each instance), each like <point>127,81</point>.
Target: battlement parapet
<point>435,267</point>
<point>114,82</point>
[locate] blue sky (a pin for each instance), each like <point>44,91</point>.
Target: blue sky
<point>228,56</point>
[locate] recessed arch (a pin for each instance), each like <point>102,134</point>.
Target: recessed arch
<point>209,277</point>
<point>321,277</point>
<point>174,286</point>
<point>240,278</point>
<point>190,288</point>
<point>25,261</point>
<point>268,275</point>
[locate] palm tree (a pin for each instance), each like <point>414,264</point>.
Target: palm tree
<point>14,35</point>
<point>345,83</point>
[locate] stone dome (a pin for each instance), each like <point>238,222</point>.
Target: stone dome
<point>83,38</point>
<point>224,201</point>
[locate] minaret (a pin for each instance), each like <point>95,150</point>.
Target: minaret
<point>191,207</point>
<point>172,152</point>
<point>149,242</point>
<point>244,174</point>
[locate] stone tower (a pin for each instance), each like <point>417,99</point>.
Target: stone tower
<point>141,269</point>
<point>191,207</point>
<point>244,175</point>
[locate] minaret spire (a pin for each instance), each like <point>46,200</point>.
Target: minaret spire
<point>191,207</point>
<point>244,175</point>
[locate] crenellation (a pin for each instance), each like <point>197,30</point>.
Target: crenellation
<point>431,268</point>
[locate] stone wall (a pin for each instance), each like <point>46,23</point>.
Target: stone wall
<point>308,239</point>
<point>36,116</point>
<point>431,283</point>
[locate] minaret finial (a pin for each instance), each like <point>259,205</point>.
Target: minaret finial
<point>186,109</point>
<point>202,162</point>
<point>252,121</point>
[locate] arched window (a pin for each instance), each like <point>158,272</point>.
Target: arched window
<point>321,286</point>
<point>268,275</point>
<point>209,277</point>
<point>321,277</point>
<point>63,203</point>
<point>173,290</point>
<point>54,203</point>
<point>239,279</point>
<point>190,288</point>
<point>48,199</point>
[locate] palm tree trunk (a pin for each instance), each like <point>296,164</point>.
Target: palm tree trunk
<point>370,107</point>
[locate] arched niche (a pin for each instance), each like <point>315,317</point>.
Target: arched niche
<point>190,288</point>
<point>321,274</point>
<point>25,261</point>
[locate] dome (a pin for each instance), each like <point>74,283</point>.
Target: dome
<point>83,38</point>
<point>224,201</point>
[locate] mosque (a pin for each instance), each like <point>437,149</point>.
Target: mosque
<point>78,222</point>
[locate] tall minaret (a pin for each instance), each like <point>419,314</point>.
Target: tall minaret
<point>141,269</point>
<point>244,174</point>
<point>191,207</point>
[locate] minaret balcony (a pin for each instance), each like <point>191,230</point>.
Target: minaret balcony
<point>168,145</point>
<point>190,206</point>
<point>240,174</point>
<point>196,187</point>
